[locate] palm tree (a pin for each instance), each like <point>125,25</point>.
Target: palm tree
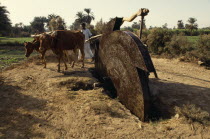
<point>52,25</point>
<point>60,23</point>
<point>89,16</point>
<point>51,16</point>
<point>192,25</point>
<point>80,17</point>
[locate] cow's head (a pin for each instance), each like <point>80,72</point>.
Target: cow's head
<point>45,42</point>
<point>29,47</point>
<point>36,38</point>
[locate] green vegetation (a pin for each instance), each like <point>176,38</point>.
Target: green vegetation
<point>186,41</point>
<point>188,32</point>
<point>170,44</point>
<point>178,45</point>
<point>192,25</point>
<point>4,41</point>
<point>157,40</point>
<point>203,49</point>
<point>12,50</point>
<point>193,39</point>
<point>10,55</point>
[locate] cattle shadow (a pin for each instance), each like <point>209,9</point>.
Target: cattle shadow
<point>15,118</point>
<point>168,95</point>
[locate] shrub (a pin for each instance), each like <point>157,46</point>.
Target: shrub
<point>194,33</point>
<point>193,113</point>
<point>145,34</point>
<point>201,51</point>
<point>178,45</point>
<point>157,40</point>
<point>203,48</point>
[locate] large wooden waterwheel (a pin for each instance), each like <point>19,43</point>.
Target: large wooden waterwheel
<point>123,58</point>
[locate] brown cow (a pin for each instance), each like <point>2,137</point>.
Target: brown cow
<point>31,46</point>
<point>61,41</point>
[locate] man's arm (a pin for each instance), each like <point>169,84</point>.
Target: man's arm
<point>140,12</point>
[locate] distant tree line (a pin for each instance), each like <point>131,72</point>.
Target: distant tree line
<point>54,22</point>
<point>192,25</point>
<point>160,40</point>
<point>41,24</point>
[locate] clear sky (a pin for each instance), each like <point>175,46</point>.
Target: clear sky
<point>161,11</point>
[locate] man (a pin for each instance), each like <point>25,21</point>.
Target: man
<point>87,50</point>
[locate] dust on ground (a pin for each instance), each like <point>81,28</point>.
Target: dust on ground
<point>42,103</point>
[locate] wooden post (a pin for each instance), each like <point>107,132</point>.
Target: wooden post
<point>140,35</point>
<point>141,26</point>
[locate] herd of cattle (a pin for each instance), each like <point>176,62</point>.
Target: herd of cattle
<point>62,43</point>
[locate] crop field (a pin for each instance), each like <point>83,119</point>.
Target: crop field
<point>14,41</point>
<point>9,55</point>
<point>12,50</point>
<point>193,39</point>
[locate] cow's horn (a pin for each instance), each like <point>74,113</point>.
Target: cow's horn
<point>35,35</point>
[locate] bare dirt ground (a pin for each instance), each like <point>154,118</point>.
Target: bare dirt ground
<point>42,103</point>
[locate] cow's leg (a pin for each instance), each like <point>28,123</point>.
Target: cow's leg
<point>63,59</point>
<point>59,60</point>
<point>65,63</point>
<point>73,54</point>
<point>76,51</point>
<point>83,56</point>
<point>43,59</point>
<point>67,56</point>
<point>72,65</point>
